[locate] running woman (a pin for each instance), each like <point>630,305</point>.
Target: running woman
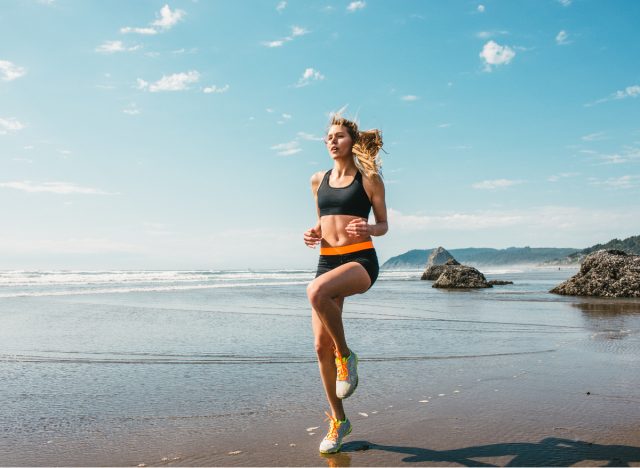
<point>348,263</point>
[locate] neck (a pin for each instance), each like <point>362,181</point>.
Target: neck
<point>344,166</point>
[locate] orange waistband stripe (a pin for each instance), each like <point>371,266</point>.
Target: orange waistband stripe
<point>346,249</point>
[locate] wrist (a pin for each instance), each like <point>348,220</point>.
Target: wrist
<point>371,228</point>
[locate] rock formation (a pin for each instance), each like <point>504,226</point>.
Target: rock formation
<point>433,272</point>
<point>461,277</point>
<point>605,273</point>
<point>499,282</point>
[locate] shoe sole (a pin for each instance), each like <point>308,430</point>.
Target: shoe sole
<point>326,452</point>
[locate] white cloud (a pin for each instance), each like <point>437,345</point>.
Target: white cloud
<point>308,76</point>
<point>628,154</point>
<point>563,175</point>
<point>564,3</point>
<point>296,31</point>
<point>168,18</point>
<point>495,184</point>
<point>131,109</point>
<point>287,149</point>
<point>286,116</point>
<point>624,182</point>
<point>410,97</point>
<point>444,125</point>
<point>277,43</point>
<point>359,5</point>
<point>495,54</point>
<point>489,34</point>
<point>281,6</point>
<point>216,89</point>
<point>10,124</point>
<point>62,188</point>
<point>628,92</point>
<point>481,8</point>
<point>532,220</point>
<point>309,136</point>
<point>594,136</point>
<point>10,71</point>
<point>175,82</point>
<point>110,47</point>
<point>562,38</point>
<point>143,31</point>
<point>165,20</point>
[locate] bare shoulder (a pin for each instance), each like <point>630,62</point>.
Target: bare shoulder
<point>316,180</point>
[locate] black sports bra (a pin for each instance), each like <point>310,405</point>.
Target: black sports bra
<point>350,200</point>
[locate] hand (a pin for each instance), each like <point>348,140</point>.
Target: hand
<point>313,236</point>
<point>358,228</point>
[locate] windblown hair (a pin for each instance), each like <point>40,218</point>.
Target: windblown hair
<point>366,146</point>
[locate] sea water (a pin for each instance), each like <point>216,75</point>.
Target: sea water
<point>93,363</point>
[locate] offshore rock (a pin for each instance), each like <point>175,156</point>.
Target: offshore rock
<point>605,273</point>
<point>499,282</point>
<point>433,272</point>
<point>461,277</point>
<point>438,256</point>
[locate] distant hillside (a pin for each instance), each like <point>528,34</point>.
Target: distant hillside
<point>482,256</point>
<point>630,245</point>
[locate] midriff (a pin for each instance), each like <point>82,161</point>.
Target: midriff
<point>334,233</point>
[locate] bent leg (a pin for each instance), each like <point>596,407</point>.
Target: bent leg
<point>324,350</point>
<point>345,280</point>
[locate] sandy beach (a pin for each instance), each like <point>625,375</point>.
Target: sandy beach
<point>199,371</point>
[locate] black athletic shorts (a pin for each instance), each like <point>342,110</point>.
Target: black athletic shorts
<point>367,258</point>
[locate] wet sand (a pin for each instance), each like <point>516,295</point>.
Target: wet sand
<point>567,406</point>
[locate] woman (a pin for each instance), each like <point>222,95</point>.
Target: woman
<point>348,263</point>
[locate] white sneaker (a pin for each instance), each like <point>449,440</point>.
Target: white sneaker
<point>347,378</point>
<point>338,430</point>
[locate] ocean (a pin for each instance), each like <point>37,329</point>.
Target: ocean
<point>118,367</point>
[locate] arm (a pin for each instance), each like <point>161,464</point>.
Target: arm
<point>313,236</point>
<point>360,227</point>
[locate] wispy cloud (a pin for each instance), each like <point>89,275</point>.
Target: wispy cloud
<point>287,149</point>
<point>628,92</point>
<point>10,71</point>
<point>61,188</point>
<point>594,136</point>
<point>281,6</point>
<point>309,136</point>
<point>624,182</point>
<point>131,109</point>
<point>110,47</point>
<point>10,124</point>
<point>562,175</point>
<point>481,8</point>
<point>565,3</point>
<point>354,6</point>
<point>164,21</point>
<point>308,77</point>
<point>495,184</point>
<point>628,154</point>
<point>490,34</point>
<point>562,38</point>
<point>410,97</point>
<point>175,82</point>
<point>213,89</point>
<point>494,54</point>
<point>296,31</point>
<point>143,31</point>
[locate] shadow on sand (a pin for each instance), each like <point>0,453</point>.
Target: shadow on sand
<point>548,452</point>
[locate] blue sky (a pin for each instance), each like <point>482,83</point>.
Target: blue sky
<point>183,135</point>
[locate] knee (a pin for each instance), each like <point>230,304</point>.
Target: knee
<point>315,293</point>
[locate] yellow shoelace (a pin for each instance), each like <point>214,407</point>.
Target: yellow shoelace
<point>334,425</point>
<point>341,366</point>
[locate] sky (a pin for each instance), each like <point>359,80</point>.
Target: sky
<point>183,135</point>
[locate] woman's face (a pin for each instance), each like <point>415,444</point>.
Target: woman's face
<point>339,142</point>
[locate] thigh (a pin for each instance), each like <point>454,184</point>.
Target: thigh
<point>343,281</point>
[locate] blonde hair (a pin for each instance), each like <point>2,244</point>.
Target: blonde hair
<point>366,146</point>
